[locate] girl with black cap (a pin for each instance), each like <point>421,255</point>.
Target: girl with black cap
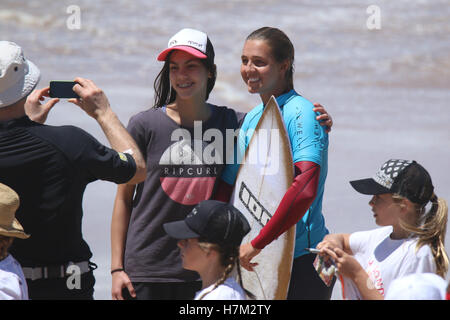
<point>411,239</point>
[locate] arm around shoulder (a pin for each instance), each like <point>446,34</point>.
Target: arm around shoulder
<point>10,286</point>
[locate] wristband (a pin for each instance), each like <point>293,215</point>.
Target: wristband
<point>117,270</point>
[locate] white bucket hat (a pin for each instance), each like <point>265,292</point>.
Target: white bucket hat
<point>18,76</point>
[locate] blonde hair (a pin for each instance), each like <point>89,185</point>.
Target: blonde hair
<point>229,258</point>
<point>430,229</point>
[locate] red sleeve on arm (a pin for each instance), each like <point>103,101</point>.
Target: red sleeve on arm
<point>296,201</point>
<point>223,192</point>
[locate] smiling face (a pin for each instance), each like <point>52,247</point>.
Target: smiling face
<point>261,72</point>
<point>188,75</point>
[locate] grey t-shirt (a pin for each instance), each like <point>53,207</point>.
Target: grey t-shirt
<point>183,167</point>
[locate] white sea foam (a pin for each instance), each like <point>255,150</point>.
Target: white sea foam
<point>25,19</point>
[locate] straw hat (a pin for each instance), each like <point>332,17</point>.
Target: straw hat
<point>9,202</point>
<point>18,76</point>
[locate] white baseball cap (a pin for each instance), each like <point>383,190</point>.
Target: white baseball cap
<point>18,76</point>
<point>417,286</point>
<point>191,41</point>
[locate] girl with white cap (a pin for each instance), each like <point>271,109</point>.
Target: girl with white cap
<point>410,241</point>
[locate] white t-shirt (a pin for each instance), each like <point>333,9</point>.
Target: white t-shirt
<point>385,259</point>
<point>229,290</point>
<point>13,285</point>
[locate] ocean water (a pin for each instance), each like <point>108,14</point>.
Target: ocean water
<point>387,88</point>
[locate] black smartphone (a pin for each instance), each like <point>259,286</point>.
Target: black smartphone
<point>62,89</point>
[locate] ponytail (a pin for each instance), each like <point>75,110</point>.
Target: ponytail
<point>431,231</point>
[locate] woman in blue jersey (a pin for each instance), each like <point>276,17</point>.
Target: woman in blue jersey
<point>267,69</point>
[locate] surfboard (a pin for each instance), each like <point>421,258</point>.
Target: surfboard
<point>264,176</point>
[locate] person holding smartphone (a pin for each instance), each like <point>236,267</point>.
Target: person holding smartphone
<point>170,135</point>
<point>49,167</point>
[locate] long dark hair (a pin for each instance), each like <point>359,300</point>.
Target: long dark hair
<point>281,47</point>
<point>165,94</point>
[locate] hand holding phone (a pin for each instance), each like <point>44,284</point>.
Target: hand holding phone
<point>63,89</point>
<point>93,100</point>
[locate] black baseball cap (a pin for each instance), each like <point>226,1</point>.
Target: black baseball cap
<point>404,177</point>
<point>213,221</point>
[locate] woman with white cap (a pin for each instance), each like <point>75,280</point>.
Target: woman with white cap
<point>181,172</point>
<point>410,241</point>
<point>13,285</point>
